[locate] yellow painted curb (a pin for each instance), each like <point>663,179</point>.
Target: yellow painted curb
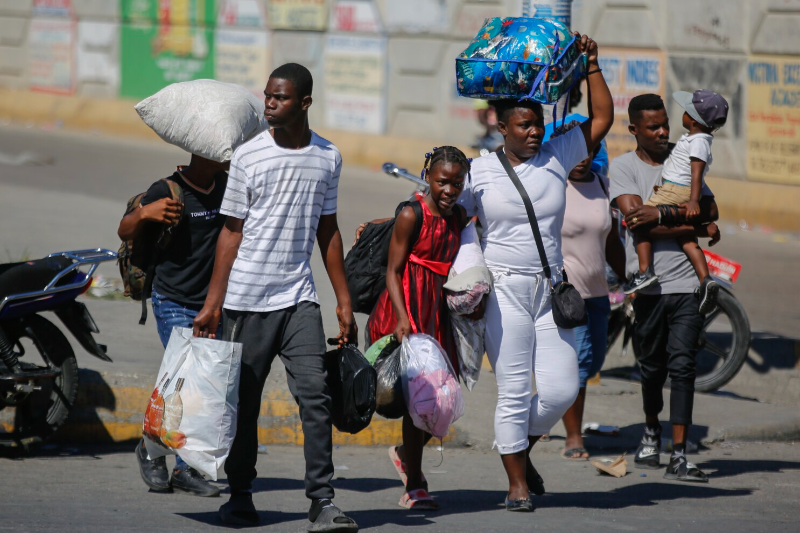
<point>105,415</point>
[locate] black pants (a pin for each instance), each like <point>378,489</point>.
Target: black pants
<point>666,334</point>
<point>296,334</point>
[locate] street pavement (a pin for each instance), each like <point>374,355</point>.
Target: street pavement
<point>754,487</point>
<point>76,202</point>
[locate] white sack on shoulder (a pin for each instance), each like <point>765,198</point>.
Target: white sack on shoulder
<point>192,411</point>
<point>204,117</point>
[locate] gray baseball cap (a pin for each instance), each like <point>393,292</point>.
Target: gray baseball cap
<point>706,107</point>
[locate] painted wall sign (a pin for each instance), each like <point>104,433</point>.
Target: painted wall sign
<point>355,83</point>
<point>355,16</point>
<point>629,73</point>
<point>243,57</point>
<point>298,14</point>
<point>773,119</point>
<point>51,55</point>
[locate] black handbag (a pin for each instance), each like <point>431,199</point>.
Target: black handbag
<point>569,310</point>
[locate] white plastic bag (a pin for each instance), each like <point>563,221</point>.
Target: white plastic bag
<point>431,389</point>
<point>469,335</point>
<point>204,117</point>
<point>192,411</point>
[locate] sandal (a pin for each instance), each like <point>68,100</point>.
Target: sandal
<point>575,454</point>
<point>419,500</point>
<point>400,467</point>
<point>330,519</point>
<point>523,505</point>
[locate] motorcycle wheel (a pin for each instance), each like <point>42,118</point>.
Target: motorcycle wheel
<point>43,411</point>
<point>724,344</point>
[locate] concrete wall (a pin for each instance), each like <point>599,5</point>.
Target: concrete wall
<point>386,66</point>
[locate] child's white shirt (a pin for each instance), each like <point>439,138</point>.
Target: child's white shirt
<point>678,167</point>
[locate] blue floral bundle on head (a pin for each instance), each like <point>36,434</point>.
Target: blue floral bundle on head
<point>520,58</point>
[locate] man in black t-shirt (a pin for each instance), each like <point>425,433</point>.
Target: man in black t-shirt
<point>181,279</point>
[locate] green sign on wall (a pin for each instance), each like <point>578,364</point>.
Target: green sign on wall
<point>164,42</point>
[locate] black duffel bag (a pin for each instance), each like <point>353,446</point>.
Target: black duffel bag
<point>353,383</point>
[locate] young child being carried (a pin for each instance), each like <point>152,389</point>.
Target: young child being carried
<point>682,184</point>
<point>414,299</point>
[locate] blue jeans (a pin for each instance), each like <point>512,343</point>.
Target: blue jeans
<point>590,340</point>
<point>168,315</point>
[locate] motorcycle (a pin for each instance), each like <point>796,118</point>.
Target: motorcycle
<point>38,368</point>
<point>725,339</point>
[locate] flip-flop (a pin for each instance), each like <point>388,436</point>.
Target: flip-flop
<point>400,467</point>
<point>418,500</point>
<point>570,455</point>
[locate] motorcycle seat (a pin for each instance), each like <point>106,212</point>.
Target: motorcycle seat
<point>30,276</point>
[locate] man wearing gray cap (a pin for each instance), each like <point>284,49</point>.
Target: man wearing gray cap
<point>682,185</point>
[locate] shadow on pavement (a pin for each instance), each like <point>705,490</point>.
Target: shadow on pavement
<point>268,518</point>
<point>267,484</point>
<point>718,468</point>
<point>627,440</point>
<point>774,351</point>
<point>638,495</point>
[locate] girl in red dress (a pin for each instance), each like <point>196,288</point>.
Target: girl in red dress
<point>414,300</point>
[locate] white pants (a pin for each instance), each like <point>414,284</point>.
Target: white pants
<point>521,339</point>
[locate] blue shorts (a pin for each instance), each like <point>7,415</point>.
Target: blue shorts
<point>590,340</point>
<point>170,314</point>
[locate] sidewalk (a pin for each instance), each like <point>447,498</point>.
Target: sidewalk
<point>114,396</point>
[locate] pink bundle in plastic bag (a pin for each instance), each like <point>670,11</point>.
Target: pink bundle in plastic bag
<point>432,393</point>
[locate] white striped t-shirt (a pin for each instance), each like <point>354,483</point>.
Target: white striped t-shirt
<point>280,194</point>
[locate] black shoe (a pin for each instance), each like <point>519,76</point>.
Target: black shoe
<point>324,516</point>
<point>191,481</point>
<point>524,505</point>
<point>680,469</point>
<point>640,280</point>
<point>154,471</point>
<point>648,455</point>
<point>535,482</point>
<point>707,294</point>
<point>239,511</point>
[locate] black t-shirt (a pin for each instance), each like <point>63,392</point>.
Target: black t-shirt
<point>184,272</point>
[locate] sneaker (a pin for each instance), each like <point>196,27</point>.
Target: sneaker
<point>648,455</point>
<point>640,280</point>
<point>153,471</point>
<point>191,481</point>
<point>680,469</point>
<point>239,511</point>
<point>708,295</point>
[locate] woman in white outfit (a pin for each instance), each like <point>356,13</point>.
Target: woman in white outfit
<point>521,337</point>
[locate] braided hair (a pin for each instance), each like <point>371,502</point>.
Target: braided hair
<point>445,154</point>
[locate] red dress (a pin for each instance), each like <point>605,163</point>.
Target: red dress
<point>425,274</point>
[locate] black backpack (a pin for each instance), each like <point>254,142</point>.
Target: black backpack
<point>352,383</point>
<point>365,264</point>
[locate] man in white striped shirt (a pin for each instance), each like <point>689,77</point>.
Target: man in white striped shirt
<point>281,197</point>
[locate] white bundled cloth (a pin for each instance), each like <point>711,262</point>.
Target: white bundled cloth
<point>204,117</point>
<point>192,411</point>
<point>468,283</point>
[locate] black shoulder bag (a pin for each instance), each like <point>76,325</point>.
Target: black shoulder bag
<point>569,311</point>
